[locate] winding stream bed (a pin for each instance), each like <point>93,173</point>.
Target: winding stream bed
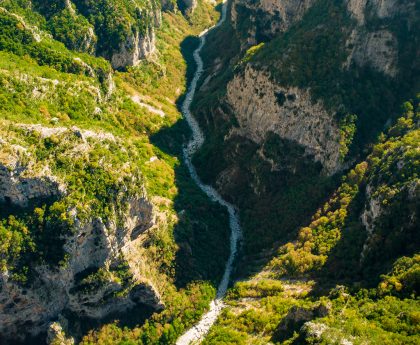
<point>196,333</point>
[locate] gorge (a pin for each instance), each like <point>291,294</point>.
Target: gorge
<point>229,172</point>
<point>197,332</point>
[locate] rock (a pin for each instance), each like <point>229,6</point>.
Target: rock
<point>93,246</point>
<point>19,185</point>
<point>168,5</point>
<point>135,48</point>
<point>266,18</point>
<point>33,30</point>
<point>373,45</point>
<point>317,333</point>
<point>101,274</point>
<point>88,69</point>
<point>381,9</point>
<point>57,336</point>
<point>88,42</point>
<point>313,329</point>
<point>297,317</point>
<point>378,49</point>
<point>372,210</point>
<point>261,106</point>
<point>140,43</point>
<point>375,208</point>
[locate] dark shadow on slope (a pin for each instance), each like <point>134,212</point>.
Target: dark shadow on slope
<point>274,200</point>
<point>202,232</point>
<point>394,236</point>
<point>78,325</point>
<point>271,216</point>
<point>188,45</point>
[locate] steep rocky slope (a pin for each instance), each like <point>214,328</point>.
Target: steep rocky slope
<point>293,111</point>
<point>352,271</point>
<point>99,258</point>
<point>121,31</point>
<point>104,238</point>
<point>261,21</point>
<point>99,221</point>
<point>298,83</point>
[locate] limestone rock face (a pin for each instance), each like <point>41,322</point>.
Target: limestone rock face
<point>101,274</point>
<point>375,208</point>
<point>94,246</point>
<point>267,17</point>
<point>136,48</point>
<point>297,317</point>
<point>88,42</point>
<point>374,46</point>
<point>140,44</point>
<point>382,9</point>
<point>378,49</point>
<point>168,5</point>
<point>56,335</point>
<point>17,190</point>
<point>372,210</point>
<point>262,106</point>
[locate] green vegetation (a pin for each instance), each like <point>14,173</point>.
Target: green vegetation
<point>187,305</point>
<point>121,151</point>
<point>106,161</point>
<point>314,242</point>
<point>277,198</point>
<point>116,20</point>
<point>74,31</point>
<point>347,130</point>
<point>378,303</point>
<point>311,55</point>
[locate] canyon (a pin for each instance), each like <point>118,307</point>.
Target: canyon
<point>241,172</point>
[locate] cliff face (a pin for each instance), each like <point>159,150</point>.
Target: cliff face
<point>122,32</point>
<point>89,229</point>
<point>376,45</point>
<point>100,272</point>
<point>261,106</point>
<point>187,6</point>
<point>258,21</point>
<point>272,89</point>
<point>389,197</point>
<point>311,84</point>
<point>367,45</point>
<point>135,48</point>
<point>97,248</point>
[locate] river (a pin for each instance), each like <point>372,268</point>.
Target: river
<point>196,334</point>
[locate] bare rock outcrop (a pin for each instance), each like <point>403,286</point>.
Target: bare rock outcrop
<point>297,317</point>
<point>135,48</point>
<point>57,336</point>
<point>377,206</point>
<point>382,9</point>
<point>140,44</point>
<point>378,49</point>
<point>19,185</point>
<point>89,284</point>
<point>377,46</point>
<point>267,17</point>
<point>261,106</point>
<point>99,275</point>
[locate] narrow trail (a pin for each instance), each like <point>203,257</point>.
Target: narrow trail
<point>196,333</point>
